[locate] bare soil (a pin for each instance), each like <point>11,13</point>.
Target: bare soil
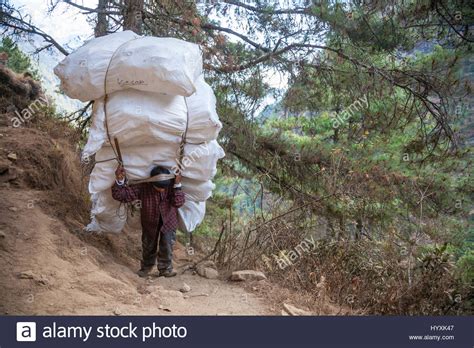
<point>49,270</point>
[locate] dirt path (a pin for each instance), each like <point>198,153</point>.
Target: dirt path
<point>49,270</point>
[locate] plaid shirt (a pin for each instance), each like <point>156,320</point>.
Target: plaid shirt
<point>153,204</point>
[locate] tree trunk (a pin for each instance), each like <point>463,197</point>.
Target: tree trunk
<point>133,16</point>
<point>102,25</point>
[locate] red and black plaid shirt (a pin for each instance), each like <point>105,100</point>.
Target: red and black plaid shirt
<point>153,204</point>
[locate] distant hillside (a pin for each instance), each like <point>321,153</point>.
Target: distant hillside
<point>44,62</point>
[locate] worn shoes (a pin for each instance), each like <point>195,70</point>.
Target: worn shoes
<point>168,273</point>
<point>144,272</point>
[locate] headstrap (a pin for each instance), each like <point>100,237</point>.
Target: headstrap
<point>155,178</point>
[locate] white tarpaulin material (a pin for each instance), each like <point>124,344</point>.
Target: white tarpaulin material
<point>159,65</point>
<point>197,190</point>
<point>139,118</point>
<point>204,124</point>
<point>191,215</point>
<point>155,94</point>
<point>107,214</point>
<point>199,162</point>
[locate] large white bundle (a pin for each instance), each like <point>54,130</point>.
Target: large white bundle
<point>197,190</point>
<point>141,118</point>
<point>137,118</point>
<point>97,132</point>
<point>190,215</point>
<point>107,214</point>
<point>204,124</point>
<point>155,94</point>
<point>199,162</point>
<point>138,162</point>
<point>82,72</point>
<point>160,65</point>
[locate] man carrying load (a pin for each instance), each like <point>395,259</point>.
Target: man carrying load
<point>160,199</point>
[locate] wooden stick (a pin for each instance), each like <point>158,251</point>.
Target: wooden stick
<point>117,147</point>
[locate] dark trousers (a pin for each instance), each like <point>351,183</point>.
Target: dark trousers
<point>153,239</point>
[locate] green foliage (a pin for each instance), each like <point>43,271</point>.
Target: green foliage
<point>384,168</point>
<point>361,136</point>
<point>17,60</point>
<point>465,266</point>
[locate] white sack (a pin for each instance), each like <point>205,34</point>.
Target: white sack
<point>190,215</point>
<point>159,65</point>
<point>97,132</point>
<point>204,124</point>
<point>199,162</point>
<point>194,190</point>
<point>140,118</point>
<point>197,191</point>
<point>138,163</point>
<point>82,72</point>
<point>137,118</point>
<point>106,215</point>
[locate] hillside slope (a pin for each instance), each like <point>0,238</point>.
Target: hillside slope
<point>49,270</point>
<point>50,266</point>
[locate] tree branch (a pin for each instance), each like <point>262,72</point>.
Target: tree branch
<point>21,25</point>
<point>297,10</point>
<point>88,10</point>
<point>449,23</point>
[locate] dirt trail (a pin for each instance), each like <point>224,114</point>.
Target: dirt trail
<point>48,264</point>
<point>48,269</point>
